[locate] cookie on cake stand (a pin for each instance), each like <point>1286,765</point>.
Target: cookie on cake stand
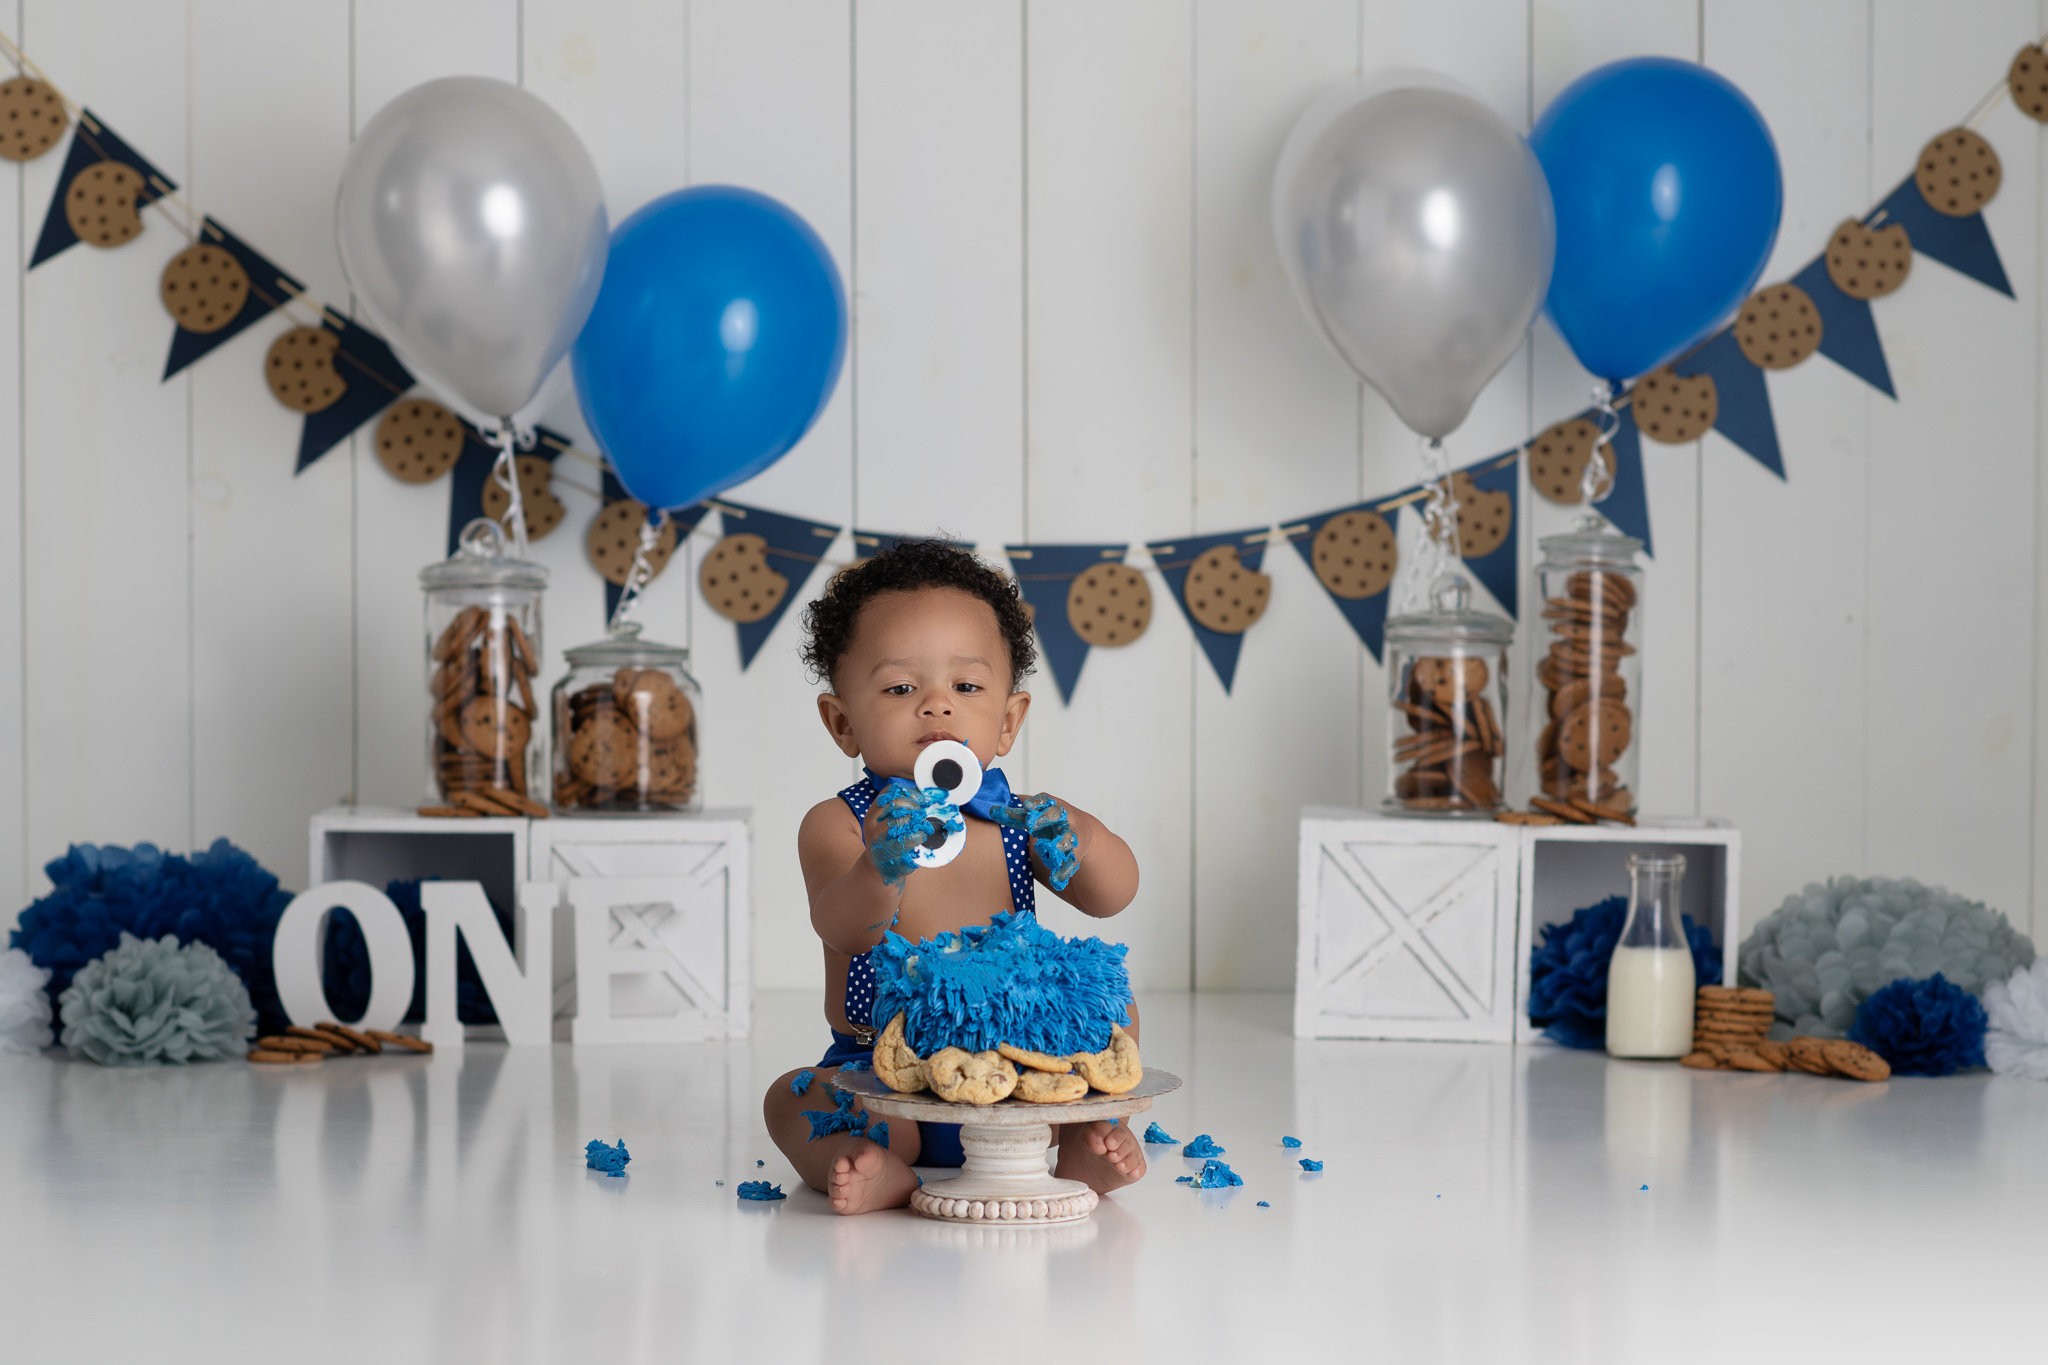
<point>1004,1180</point>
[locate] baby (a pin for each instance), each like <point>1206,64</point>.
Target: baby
<point>922,643</point>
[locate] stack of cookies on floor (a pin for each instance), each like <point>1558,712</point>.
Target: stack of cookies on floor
<point>483,715</point>
<point>1730,1032</point>
<point>1590,723</point>
<point>1455,738</point>
<point>1007,1072</point>
<point>300,1046</point>
<point>632,745</point>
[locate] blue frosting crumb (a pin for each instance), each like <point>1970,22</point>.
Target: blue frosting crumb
<point>801,1082</point>
<point>1216,1176</point>
<point>1290,1142</point>
<point>1157,1135</point>
<point>842,1118</point>
<point>1202,1146</point>
<point>1183,1180</point>
<point>1308,1165</point>
<point>858,1064</point>
<point>1264,1205</point>
<point>602,1156</point>
<point>760,1163</point>
<point>879,1134</point>
<point>718,1182</point>
<point>760,1189</point>
<point>1646,1187</point>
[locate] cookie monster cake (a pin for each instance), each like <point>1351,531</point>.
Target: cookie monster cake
<point>1010,1010</point>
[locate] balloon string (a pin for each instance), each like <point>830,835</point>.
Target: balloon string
<point>505,472</point>
<point>642,571</point>
<point>1441,550</point>
<point>1597,481</point>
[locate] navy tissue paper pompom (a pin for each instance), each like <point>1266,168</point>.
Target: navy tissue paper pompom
<point>1923,1028</point>
<point>1568,971</point>
<point>345,962</point>
<point>221,897</point>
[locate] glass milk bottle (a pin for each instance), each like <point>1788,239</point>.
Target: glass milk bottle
<point>1650,977</point>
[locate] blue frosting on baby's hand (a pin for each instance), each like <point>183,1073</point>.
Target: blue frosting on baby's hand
<point>903,833</point>
<point>1052,835</point>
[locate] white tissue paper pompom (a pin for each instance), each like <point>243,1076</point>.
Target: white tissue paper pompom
<point>24,1004</point>
<point>2016,1041</point>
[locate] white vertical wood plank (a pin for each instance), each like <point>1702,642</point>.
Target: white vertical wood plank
<point>107,552</point>
<point>1276,429</point>
<point>400,528</point>
<point>2038,843</point>
<point>14,249</point>
<point>1783,729</point>
<point>1951,488</point>
<point>771,99</point>
<point>1568,40</point>
<point>272,584</point>
<point>1109,137</point>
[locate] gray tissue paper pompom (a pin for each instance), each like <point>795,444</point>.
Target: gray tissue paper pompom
<point>149,1001</point>
<point>1825,950</point>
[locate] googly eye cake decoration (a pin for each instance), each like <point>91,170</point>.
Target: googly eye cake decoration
<point>952,768</point>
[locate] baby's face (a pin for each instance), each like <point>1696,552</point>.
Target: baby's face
<point>924,665</point>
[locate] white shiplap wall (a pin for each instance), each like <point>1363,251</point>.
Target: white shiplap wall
<point>1069,324</point>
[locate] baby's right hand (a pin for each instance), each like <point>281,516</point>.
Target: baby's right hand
<point>904,829</point>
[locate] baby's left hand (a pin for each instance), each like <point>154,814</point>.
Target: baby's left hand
<point>1052,835</point>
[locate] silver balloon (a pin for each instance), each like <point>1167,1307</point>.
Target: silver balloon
<point>1416,228</point>
<point>472,229</point>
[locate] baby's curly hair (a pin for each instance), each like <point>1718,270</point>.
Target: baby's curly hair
<point>906,565</point>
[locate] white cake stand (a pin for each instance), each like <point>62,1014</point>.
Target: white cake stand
<point>1004,1180</point>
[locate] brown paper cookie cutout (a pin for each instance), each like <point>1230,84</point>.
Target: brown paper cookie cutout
<point>32,118</point>
<point>1222,594</point>
<point>2027,78</point>
<point>1485,517</point>
<point>615,537</point>
<point>737,581</point>
<point>1109,604</point>
<point>1355,554</point>
<point>1868,263</point>
<point>300,369</point>
<point>1557,460</point>
<point>544,511</point>
<point>204,287</point>
<point>1778,327</point>
<point>101,203</point>
<point>1675,408</point>
<point>1958,173</point>
<point>419,440</point>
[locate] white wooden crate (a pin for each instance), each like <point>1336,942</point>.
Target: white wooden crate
<point>1421,929</point>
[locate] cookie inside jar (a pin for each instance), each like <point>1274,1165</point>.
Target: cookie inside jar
<point>625,727</point>
<point>1446,706</point>
<point>1586,710</point>
<point>483,652</point>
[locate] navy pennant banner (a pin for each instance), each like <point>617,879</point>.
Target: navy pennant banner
<point>1848,330</point>
<point>472,473</point>
<point>1742,399</point>
<point>269,288</point>
<point>685,518</point>
<point>373,381</point>
<point>1045,575</point>
<point>1367,615</point>
<point>92,143</point>
<point>795,547</point>
<point>1627,504</point>
<point>1960,243</point>
<point>1173,558</point>
<point>1499,568</point>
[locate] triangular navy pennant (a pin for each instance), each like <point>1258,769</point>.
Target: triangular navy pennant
<point>92,143</point>
<point>1848,331</point>
<point>1742,399</point>
<point>372,381</point>
<point>1367,615</point>
<point>1173,558</point>
<point>472,474</point>
<point>1500,568</point>
<point>269,288</point>
<point>685,518</point>
<point>1960,243</point>
<point>795,547</point>
<point>1045,574</point>
<point>1627,504</point>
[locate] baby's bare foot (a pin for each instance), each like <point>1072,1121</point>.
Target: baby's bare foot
<point>866,1177</point>
<point>1108,1157</point>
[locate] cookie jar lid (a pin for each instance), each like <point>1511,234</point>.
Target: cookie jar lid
<point>1450,619</point>
<point>1592,542</point>
<point>624,646</point>
<point>479,561</point>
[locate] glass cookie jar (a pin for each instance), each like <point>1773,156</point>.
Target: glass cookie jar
<point>626,727</point>
<point>1446,706</point>
<point>1589,678</point>
<point>483,615</point>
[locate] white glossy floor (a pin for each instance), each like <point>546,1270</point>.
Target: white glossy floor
<point>1479,1204</point>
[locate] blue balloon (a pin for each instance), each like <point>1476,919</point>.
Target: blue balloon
<point>1668,194</point>
<point>716,340</point>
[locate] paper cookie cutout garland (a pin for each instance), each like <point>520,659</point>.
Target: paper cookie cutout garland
<point>614,538</point>
<point>737,581</point>
<point>2027,80</point>
<point>299,368</point>
<point>1109,605</point>
<point>203,288</point>
<point>543,510</point>
<point>1224,594</point>
<point>32,118</point>
<point>1869,263</point>
<point>1673,408</point>
<point>1557,460</point>
<point>418,440</point>
<point>1354,554</point>
<point>1485,517</point>
<point>1958,173</point>
<point>103,204</point>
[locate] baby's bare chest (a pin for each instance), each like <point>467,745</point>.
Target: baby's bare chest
<point>969,890</point>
